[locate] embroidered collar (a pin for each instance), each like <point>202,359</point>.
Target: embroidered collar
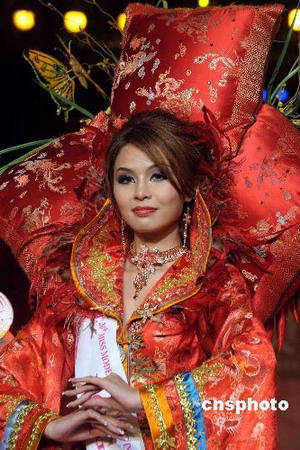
<point>97,265</point>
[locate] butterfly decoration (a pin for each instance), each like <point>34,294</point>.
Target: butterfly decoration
<point>54,76</point>
<point>82,74</point>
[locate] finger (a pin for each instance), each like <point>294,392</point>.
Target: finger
<point>85,380</point>
<point>108,434</point>
<point>119,427</point>
<point>79,401</point>
<point>102,382</point>
<point>89,432</point>
<point>108,403</point>
<point>80,390</point>
<point>111,412</point>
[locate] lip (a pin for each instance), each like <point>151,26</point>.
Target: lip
<point>144,210</point>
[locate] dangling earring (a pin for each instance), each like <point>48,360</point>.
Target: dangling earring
<point>123,240</point>
<point>186,222</point>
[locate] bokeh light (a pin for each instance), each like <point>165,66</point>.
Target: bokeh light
<point>75,21</point>
<point>23,19</point>
<point>292,14</point>
<point>264,95</point>
<point>283,95</point>
<point>203,3</point>
<point>121,20</point>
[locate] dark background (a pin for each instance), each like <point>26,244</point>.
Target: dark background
<point>28,114</point>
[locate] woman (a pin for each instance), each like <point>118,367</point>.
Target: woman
<point>156,302</point>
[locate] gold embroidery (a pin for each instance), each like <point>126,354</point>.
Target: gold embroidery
<point>187,408</point>
<point>36,431</point>
<point>8,379</point>
<point>142,368</point>
<point>179,286</point>
<point>11,403</point>
<point>164,441</point>
<point>18,425</point>
<point>49,172</point>
<point>204,373</point>
<point>101,269</point>
<point>250,77</point>
<point>97,272</point>
<point>37,217</point>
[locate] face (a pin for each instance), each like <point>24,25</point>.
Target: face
<point>146,199</point>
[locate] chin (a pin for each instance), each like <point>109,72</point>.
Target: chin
<point>145,230</point>
<point>151,231</point>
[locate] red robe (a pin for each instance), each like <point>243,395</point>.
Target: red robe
<point>194,338</point>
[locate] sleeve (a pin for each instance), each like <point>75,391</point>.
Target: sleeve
<point>31,377</point>
<point>225,403</point>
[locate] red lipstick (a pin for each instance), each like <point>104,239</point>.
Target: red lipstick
<point>143,211</point>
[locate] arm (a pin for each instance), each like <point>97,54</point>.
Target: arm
<point>241,366</point>
<point>34,369</point>
<point>26,405</point>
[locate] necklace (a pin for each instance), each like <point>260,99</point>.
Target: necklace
<point>146,259</point>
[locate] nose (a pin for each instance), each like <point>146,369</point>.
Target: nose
<point>142,190</point>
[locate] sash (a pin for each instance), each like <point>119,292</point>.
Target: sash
<point>97,354</point>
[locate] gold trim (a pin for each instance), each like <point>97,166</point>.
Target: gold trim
<point>187,409</point>
<point>143,313</point>
<point>18,425</point>
<point>39,427</point>
<point>78,286</point>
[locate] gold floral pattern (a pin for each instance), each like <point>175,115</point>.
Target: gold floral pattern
<point>206,57</point>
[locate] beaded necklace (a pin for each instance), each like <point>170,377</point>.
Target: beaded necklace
<point>146,259</point>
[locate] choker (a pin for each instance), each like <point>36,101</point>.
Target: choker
<point>146,259</point>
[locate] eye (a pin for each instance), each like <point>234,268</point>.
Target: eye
<point>158,176</point>
<point>125,179</point>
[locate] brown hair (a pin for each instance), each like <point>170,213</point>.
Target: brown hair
<point>182,150</point>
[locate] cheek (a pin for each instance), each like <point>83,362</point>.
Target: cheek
<point>120,196</point>
<point>171,199</point>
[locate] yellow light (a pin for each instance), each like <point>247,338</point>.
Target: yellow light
<point>121,20</point>
<point>203,3</point>
<point>292,13</point>
<point>23,19</point>
<point>75,21</point>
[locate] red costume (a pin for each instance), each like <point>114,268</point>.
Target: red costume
<point>194,338</point>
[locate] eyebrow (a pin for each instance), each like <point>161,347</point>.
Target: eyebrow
<point>126,169</point>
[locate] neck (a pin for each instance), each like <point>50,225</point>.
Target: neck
<point>161,242</point>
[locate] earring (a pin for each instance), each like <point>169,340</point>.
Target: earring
<point>123,240</point>
<point>186,222</point>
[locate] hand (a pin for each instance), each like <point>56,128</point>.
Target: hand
<point>123,398</point>
<point>86,424</point>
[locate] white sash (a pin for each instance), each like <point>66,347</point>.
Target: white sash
<point>97,354</point>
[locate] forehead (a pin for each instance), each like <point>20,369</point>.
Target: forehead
<point>131,156</point>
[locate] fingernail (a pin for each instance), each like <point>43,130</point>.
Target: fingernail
<point>68,405</point>
<point>122,432</point>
